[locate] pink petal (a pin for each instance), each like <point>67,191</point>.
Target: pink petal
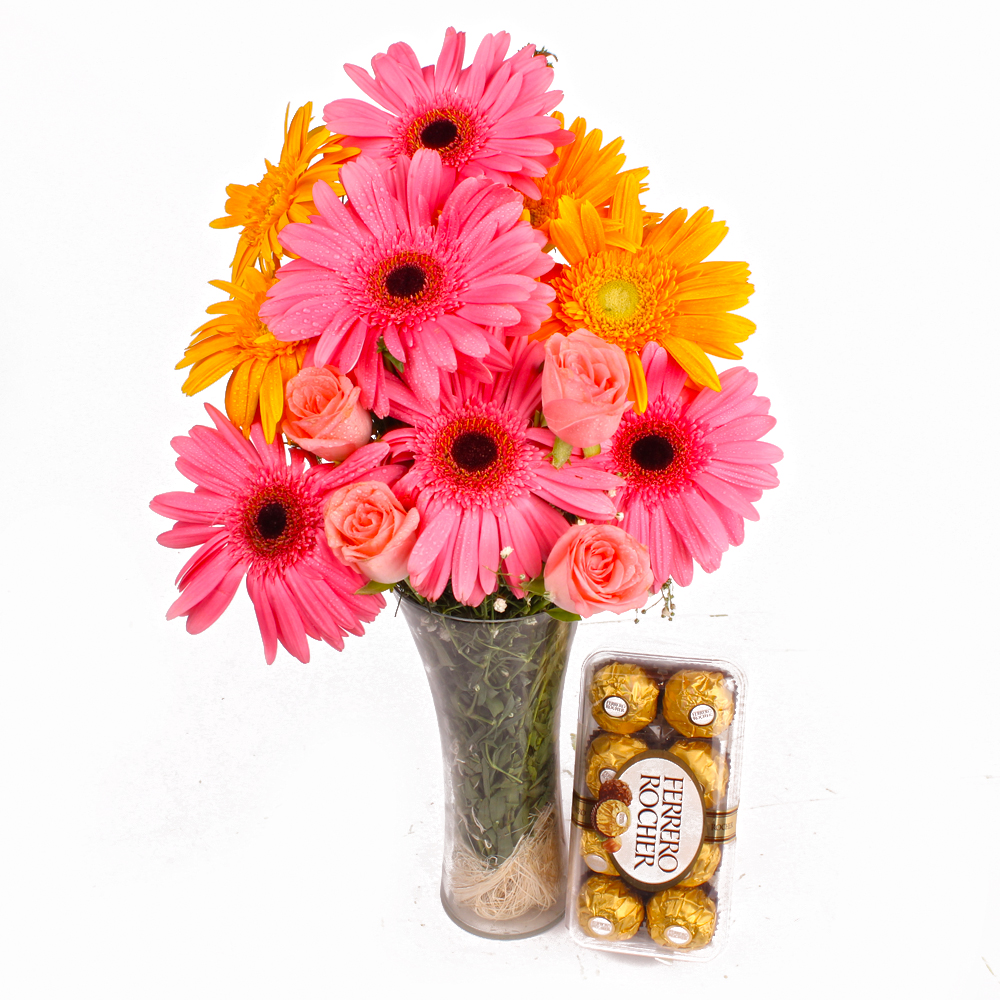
<point>200,508</point>
<point>726,494</point>
<point>207,612</point>
<point>185,534</point>
<point>265,615</point>
<point>489,551</point>
<point>465,568</point>
<point>741,429</point>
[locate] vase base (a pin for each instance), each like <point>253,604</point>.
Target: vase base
<point>504,930</point>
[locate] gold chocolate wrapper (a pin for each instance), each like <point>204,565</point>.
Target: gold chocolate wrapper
<point>681,918</point>
<point>612,817</point>
<point>704,866</point>
<point>623,699</point>
<point>608,753</point>
<point>709,767</point>
<point>608,909</point>
<point>595,854</point>
<point>698,703</point>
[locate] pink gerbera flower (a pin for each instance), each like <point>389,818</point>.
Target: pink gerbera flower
<point>484,483</point>
<point>428,268</point>
<point>255,514</point>
<point>490,118</point>
<point>692,466</point>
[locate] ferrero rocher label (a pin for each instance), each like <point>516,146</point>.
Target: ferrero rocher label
<point>666,825</point>
<point>681,918</point>
<point>606,754</point>
<point>708,764</point>
<point>608,909</point>
<point>704,866</point>
<point>623,698</point>
<point>698,702</point>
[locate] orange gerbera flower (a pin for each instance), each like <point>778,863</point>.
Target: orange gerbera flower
<point>284,193</point>
<point>237,341</point>
<point>632,284</point>
<point>585,170</point>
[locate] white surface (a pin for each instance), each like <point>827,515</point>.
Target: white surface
<point>181,820</point>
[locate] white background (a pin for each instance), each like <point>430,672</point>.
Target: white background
<point>182,820</point>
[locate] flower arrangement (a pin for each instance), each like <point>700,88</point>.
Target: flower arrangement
<point>464,360</point>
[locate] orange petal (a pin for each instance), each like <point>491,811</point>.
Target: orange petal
<point>637,390</point>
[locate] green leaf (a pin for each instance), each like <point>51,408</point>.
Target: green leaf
<point>498,806</point>
<point>374,587</point>
<point>563,616</point>
<point>592,451</point>
<point>384,351</point>
<point>561,450</point>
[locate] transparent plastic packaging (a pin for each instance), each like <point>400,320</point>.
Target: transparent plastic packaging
<point>656,790</point>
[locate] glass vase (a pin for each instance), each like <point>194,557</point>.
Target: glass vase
<point>496,687</point>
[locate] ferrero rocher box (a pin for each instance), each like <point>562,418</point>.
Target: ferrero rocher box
<point>655,795</point>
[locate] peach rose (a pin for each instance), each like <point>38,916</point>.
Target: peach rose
<point>322,413</point>
<point>598,567</point>
<point>584,388</point>
<point>368,528</point>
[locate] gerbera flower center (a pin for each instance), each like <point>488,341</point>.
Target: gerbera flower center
<point>278,522</point>
<point>270,198</point>
<point>652,453</point>
<point>407,285</point>
<point>626,299</point>
<point>405,281</point>
<point>476,457</point>
<point>451,131</point>
<point>658,451</point>
<point>272,519</point>
<point>474,451</point>
<point>439,134</point>
<point>618,299</point>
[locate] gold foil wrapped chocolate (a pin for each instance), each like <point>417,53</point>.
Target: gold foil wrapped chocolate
<point>595,854</point>
<point>623,698</point>
<point>608,909</point>
<point>608,753</point>
<point>708,765</point>
<point>681,918</point>
<point>611,817</point>
<point>698,703</point>
<point>704,868</point>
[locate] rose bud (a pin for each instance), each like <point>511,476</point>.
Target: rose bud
<point>584,388</point>
<point>323,415</point>
<point>368,528</point>
<point>598,567</point>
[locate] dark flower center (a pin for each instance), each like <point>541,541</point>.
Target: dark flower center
<point>438,134</point>
<point>473,451</point>
<point>652,453</point>
<point>272,519</point>
<point>405,281</point>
